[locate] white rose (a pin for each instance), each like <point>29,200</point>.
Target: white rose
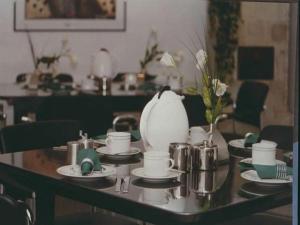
<point>221,87</point>
<point>201,57</point>
<point>167,60</point>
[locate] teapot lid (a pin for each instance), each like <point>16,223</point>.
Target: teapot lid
<point>166,94</point>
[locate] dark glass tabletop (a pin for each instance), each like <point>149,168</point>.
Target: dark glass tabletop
<point>193,197</point>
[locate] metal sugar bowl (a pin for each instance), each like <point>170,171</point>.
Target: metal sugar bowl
<point>204,156</point>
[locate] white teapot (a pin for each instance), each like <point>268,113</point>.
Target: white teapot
<point>102,65</point>
<point>163,121</point>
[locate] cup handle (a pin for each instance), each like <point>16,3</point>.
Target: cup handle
<point>172,163</point>
<point>107,141</point>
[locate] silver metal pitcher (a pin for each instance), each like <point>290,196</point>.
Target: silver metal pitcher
<point>203,182</point>
<point>181,154</point>
<point>204,156</point>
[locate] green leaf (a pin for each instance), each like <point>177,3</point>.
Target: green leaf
<point>218,108</point>
<point>208,116</point>
<point>206,97</point>
<point>191,91</point>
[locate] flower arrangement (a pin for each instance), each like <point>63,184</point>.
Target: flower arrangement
<point>212,89</point>
<point>50,61</point>
<point>152,51</point>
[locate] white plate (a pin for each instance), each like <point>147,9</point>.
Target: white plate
<point>68,171</point>
<point>251,175</point>
<point>105,151</point>
<point>139,172</point>
<point>249,160</point>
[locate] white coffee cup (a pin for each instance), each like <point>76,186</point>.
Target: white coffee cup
<point>157,163</point>
<point>198,135</point>
<point>118,142</point>
<point>264,153</point>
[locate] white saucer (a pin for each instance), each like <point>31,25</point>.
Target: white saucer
<point>238,143</point>
<point>249,160</point>
<point>139,172</point>
<point>251,175</point>
<point>89,88</point>
<point>106,151</point>
<point>68,171</point>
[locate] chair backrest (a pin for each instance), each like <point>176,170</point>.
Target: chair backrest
<point>250,101</point>
<point>43,134</point>
<point>282,135</point>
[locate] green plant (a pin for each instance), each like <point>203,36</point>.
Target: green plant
<point>224,18</point>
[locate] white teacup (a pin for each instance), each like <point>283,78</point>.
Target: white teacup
<point>157,163</point>
<point>198,135</point>
<point>87,84</point>
<point>264,153</point>
<point>118,142</point>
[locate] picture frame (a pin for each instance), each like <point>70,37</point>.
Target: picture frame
<point>116,24</point>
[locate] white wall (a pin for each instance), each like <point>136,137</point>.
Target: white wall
<point>177,21</point>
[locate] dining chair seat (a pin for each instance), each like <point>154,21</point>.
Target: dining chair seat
<point>34,135</point>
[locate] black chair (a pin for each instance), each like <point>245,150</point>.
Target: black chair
<point>15,212</point>
<point>248,106</point>
<point>43,134</point>
<point>282,135</point>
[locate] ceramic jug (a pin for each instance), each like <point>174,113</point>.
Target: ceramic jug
<point>102,64</point>
<point>163,121</point>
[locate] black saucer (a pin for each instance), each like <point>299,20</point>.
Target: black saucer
<point>252,189</point>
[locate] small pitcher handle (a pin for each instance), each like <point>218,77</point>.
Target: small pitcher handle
<point>172,163</point>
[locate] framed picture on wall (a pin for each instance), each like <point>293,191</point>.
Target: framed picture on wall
<point>70,15</point>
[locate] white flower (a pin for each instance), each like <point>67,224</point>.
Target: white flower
<point>221,87</point>
<point>201,57</point>
<point>178,56</point>
<point>73,59</point>
<point>167,60</point>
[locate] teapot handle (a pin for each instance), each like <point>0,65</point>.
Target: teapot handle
<point>144,120</point>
